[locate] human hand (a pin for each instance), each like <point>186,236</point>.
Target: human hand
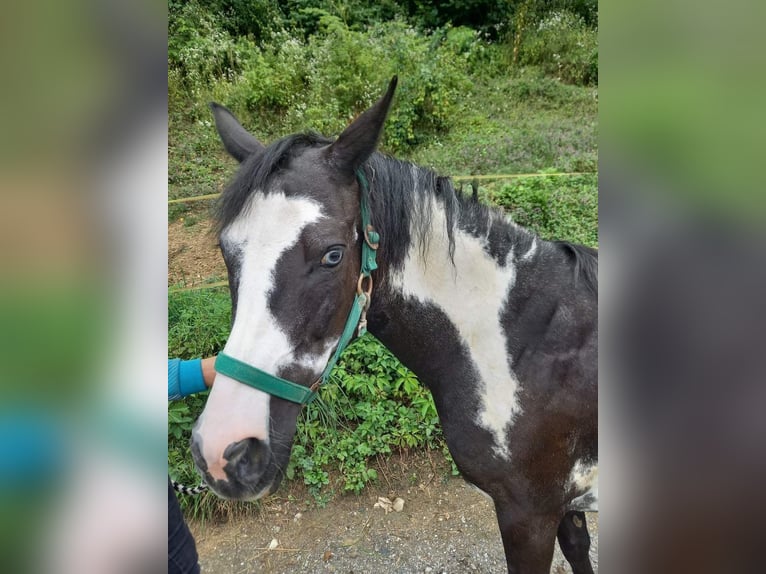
<point>208,371</point>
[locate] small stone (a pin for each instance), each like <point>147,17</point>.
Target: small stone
<point>429,569</point>
<point>398,504</point>
<point>273,544</point>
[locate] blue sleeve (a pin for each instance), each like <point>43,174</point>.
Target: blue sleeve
<point>32,449</point>
<point>184,378</point>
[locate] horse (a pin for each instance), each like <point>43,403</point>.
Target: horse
<point>323,238</point>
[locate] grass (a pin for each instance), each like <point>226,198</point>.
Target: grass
<point>553,207</point>
<point>520,124</point>
<point>198,165</point>
<point>507,127</point>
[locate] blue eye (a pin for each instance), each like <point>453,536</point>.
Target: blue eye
<point>332,257</point>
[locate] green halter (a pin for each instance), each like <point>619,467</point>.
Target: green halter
<point>355,324</point>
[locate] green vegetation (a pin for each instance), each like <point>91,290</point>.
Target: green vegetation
<point>485,87</point>
<point>553,207</point>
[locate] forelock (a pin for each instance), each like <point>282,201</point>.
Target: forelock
<point>255,172</point>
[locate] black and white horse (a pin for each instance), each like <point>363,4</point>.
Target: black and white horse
<point>499,324</point>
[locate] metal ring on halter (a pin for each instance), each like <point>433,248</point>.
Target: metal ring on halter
<point>359,286</point>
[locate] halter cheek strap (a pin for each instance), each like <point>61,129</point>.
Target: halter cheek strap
<point>356,324</point>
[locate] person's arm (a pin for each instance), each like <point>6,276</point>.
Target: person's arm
<point>189,377</point>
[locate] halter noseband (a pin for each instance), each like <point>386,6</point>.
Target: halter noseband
<point>355,323</point>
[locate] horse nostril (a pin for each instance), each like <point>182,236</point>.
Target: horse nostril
<point>235,451</point>
<point>247,457</point>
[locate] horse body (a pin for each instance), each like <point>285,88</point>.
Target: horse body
<point>499,324</point>
<point>502,328</point>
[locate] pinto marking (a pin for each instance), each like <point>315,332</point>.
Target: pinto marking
<point>468,298</point>
<point>530,252</point>
<point>584,480</point>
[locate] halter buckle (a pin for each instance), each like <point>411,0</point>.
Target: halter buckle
<point>371,237</point>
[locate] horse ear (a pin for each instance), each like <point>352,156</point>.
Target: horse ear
<point>358,140</point>
<point>236,139</point>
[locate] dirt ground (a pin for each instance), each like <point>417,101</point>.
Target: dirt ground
<point>445,526</point>
<point>193,256</point>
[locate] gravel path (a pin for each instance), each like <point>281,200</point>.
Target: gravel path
<point>445,526</point>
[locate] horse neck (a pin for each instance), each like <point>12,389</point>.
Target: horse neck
<point>440,311</point>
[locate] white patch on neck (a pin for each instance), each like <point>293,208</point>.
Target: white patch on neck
<point>472,295</point>
<point>267,227</point>
<point>531,251</point>
<point>584,480</point>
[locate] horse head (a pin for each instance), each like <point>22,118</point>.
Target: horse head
<point>291,234</point>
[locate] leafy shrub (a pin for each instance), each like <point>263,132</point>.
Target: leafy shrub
<point>200,52</point>
<point>554,207</point>
<point>198,322</point>
<point>305,15</point>
<point>353,67</point>
<point>486,15</point>
<point>273,78</point>
<point>290,84</point>
<point>256,18</point>
<point>373,405</point>
<point>564,47</point>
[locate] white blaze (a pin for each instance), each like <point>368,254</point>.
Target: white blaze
<point>266,228</point>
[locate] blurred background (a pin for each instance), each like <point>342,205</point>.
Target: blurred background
<point>682,266</point>
<point>83,191</point>
<point>84,220</point>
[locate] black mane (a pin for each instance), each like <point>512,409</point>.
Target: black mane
<point>400,194</point>
<point>585,262</point>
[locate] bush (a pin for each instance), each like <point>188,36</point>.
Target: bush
<point>372,406</point>
<point>290,84</point>
<point>200,52</point>
<point>256,18</point>
<point>353,67</point>
<point>488,16</point>
<point>198,322</point>
<point>564,47</point>
<point>554,207</point>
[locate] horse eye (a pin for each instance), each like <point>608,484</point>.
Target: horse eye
<point>332,257</point>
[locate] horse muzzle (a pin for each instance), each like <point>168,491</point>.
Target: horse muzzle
<point>245,472</point>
